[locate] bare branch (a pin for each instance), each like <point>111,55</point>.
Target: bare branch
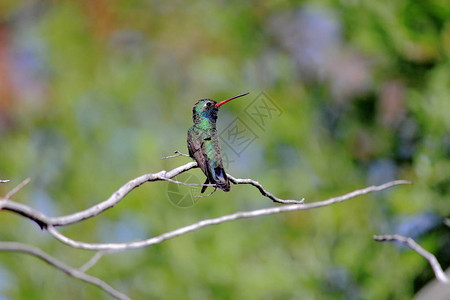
<point>226,218</point>
<point>115,198</point>
<point>439,273</point>
<point>45,221</point>
<point>26,211</point>
<point>17,188</point>
<point>262,190</point>
<point>19,247</point>
<point>119,195</point>
<point>4,181</point>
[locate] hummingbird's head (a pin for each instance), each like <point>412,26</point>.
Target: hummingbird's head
<point>207,109</point>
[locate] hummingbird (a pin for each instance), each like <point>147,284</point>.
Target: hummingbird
<point>203,142</point>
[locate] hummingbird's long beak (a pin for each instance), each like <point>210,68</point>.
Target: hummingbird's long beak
<point>229,99</point>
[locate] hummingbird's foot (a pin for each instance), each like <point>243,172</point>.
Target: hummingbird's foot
<point>203,196</point>
<point>177,153</point>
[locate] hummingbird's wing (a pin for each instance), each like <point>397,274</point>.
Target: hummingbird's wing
<point>194,142</point>
<point>206,153</point>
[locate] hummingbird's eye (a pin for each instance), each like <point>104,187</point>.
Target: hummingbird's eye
<point>208,104</point>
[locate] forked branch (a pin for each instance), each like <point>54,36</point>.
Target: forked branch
<point>50,223</point>
<point>208,222</point>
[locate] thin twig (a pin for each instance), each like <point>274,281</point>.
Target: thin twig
<point>226,218</point>
<point>187,184</point>
<point>17,188</point>
<point>438,272</point>
<point>94,259</point>
<point>177,153</point>
<point>262,190</point>
<point>19,247</point>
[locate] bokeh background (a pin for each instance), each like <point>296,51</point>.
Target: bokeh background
<point>94,93</point>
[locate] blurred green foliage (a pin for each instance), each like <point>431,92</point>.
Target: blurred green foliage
<point>93,93</point>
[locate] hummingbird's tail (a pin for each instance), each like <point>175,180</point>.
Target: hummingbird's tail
<point>224,186</point>
<point>218,177</point>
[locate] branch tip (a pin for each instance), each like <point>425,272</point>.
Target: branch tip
<point>17,188</point>
<point>447,222</point>
<point>411,243</point>
<point>177,153</point>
